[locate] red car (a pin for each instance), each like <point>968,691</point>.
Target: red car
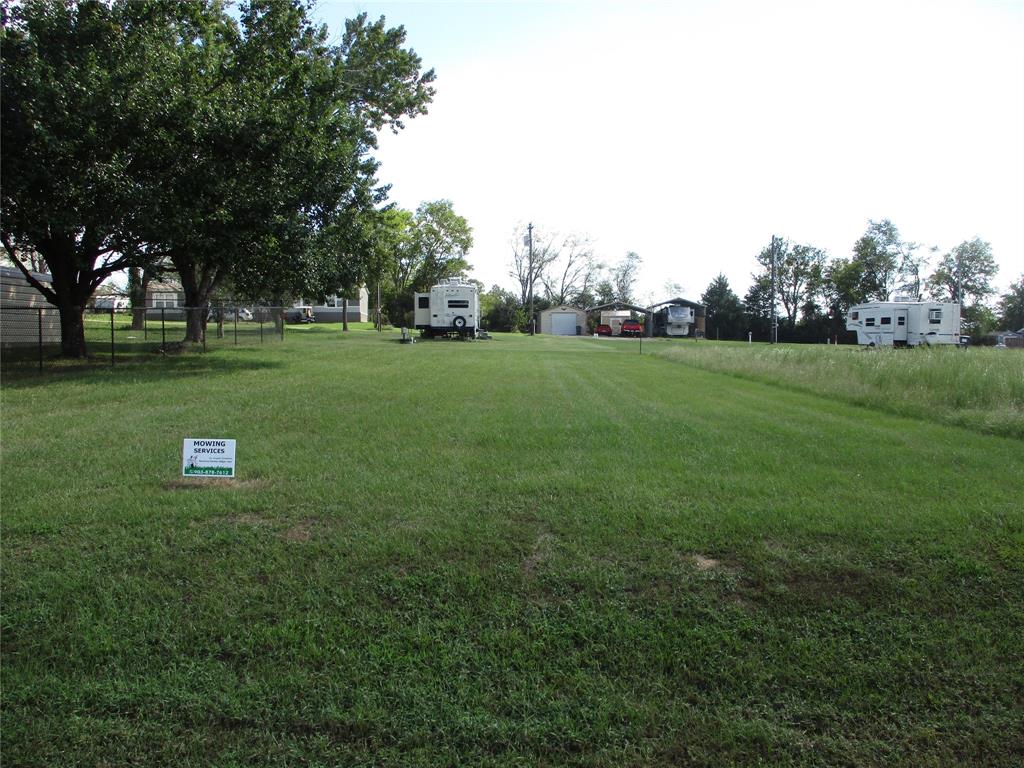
<point>632,328</point>
<point>603,330</point>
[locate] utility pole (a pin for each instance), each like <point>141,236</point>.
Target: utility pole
<point>775,317</point>
<point>529,237</point>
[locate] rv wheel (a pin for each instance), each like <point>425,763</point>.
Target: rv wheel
<point>459,322</point>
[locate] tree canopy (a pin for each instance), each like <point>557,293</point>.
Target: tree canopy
<point>1011,306</point>
<point>724,311</point>
<point>413,251</point>
<point>965,273</point>
<point>237,146</point>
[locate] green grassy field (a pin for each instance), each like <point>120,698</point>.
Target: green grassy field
<point>516,552</point>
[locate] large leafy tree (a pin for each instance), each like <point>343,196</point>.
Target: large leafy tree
<point>798,274</point>
<point>724,311</point>
<point>235,146</point>
<point>887,262</point>
<point>279,176</point>
<point>501,311</point>
<point>416,250</point>
<point>801,279</point>
<point>759,307</point>
<point>965,273</point>
<point>441,240</point>
<point>1011,306</point>
<point>877,251</point>
<point>842,286</point>
<point>84,89</point>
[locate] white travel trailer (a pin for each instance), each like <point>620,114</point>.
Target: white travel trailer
<point>905,323</point>
<point>452,306</point>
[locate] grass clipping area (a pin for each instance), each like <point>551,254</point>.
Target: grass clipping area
<point>518,552</point>
<point>981,389</point>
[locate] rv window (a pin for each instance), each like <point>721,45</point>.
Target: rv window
<point>869,321</point>
<point>855,316</point>
<point>934,316</point>
<point>901,320</point>
<point>424,302</point>
<point>886,321</point>
<point>458,303</point>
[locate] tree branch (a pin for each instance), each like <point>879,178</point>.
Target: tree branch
<point>48,293</point>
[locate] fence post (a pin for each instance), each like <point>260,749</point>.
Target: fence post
<point>40,340</point>
<point>163,328</point>
<point>236,325</point>
<point>145,324</point>
<point>204,322</point>
<point>280,314</point>
<point>112,302</point>
<point>261,327</point>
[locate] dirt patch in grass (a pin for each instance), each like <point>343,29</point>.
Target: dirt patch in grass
<point>193,483</point>
<point>301,531</point>
<point>831,584</point>
<point>705,563</point>
<point>247,518</point>
<point>539,554</point>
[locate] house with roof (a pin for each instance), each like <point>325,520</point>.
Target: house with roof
<point>26,317</point>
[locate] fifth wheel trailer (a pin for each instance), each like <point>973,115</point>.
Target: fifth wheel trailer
<point>905,323</point>
<point>674,320</point>
<point>451,307</point>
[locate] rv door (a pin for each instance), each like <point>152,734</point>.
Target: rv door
<point>899,332</point>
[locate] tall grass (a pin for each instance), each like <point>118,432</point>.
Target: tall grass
<point>980,389</point>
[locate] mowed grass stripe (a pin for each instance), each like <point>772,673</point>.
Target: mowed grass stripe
<point>532,551</point>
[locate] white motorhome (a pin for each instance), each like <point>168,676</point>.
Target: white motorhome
<point>451,306</point>
<point>905,323</point>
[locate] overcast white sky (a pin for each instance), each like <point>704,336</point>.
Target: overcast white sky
<point>691,133</point>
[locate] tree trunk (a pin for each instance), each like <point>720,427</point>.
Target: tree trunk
<point>72,331</point>
<point>197,287</point>
<point>344,314</point>
<point>138,284</point>
<point>195,324</point>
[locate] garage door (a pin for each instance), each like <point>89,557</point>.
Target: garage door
<point>563,323</point>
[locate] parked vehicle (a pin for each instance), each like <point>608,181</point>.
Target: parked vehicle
<point>299,315</point>
<point>632,328</point>
<point>603,329</point>
<point>905,323</point>
<point>674,320</point>
<point>230,314</point>
<point>451,307</point>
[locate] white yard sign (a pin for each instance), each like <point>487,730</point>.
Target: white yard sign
<point>208,458</point>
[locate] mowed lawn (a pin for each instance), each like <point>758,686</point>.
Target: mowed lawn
<point>515,552</point>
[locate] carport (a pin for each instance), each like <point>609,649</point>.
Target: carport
<point>699,313</point>
<point>647,313</point>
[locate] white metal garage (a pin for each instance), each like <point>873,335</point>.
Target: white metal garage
<point>563,324</point>
<point>562,321</point>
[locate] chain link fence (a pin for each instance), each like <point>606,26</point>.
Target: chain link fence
<point>31,336</point>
